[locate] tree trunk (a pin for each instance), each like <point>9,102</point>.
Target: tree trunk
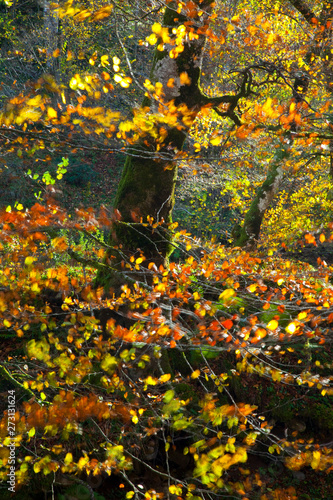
<point>147,185</point>
<point>51,31</point>
<point>248,234</point>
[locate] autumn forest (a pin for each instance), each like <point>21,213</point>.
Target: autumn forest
<point>166,250</point>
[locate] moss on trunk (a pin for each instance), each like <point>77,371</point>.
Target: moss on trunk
<point>249,233</point>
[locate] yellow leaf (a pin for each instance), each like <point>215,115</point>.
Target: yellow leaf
<point>315,460</point>
<point>150,380</point>
<point>302,315</point>
<point>37,467</point>
<point>196,296</point>
<point>156,28</point>
<point>216,141</point>
<point>35,288</point>
<point>252,288</point>
<point>271,38</point>
<point>226,294</point>
<point>105,61</point>
<point>165,377</point>
<point>7,323</point>
<point>175,490</point>
<point>291,328</point>
<point>32,432</point>
<point>125,83</point>
<point>68,459</point>
<point>152,39</point>
<point>51,113</point>
<point>267,106</point>
<point>34,101</point>
<point>29,260</point>
<point>195,374</point>
<point>272,325</point>
<point>109,363</point>
<point>82,462</point>
<point>276,375</point>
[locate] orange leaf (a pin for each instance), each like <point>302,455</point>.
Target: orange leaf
<point>184,79</point>
<point>227,324</point>
<point>177,334</point>
<point>310,239</point>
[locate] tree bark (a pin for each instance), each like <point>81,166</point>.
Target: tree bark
<point>248,234</point>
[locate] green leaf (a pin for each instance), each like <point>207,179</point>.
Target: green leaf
<point>168,396</point>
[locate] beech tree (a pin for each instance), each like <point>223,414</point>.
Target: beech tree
<point>172,103</point>
<point>315,60</point>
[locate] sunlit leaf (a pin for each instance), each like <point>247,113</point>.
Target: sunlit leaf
<point>195,374</point>
<point>291,328</point>
<point>51,113</point>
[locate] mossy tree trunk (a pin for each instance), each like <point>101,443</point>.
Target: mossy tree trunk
<point>248,234</point>
<point>147,185</point>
